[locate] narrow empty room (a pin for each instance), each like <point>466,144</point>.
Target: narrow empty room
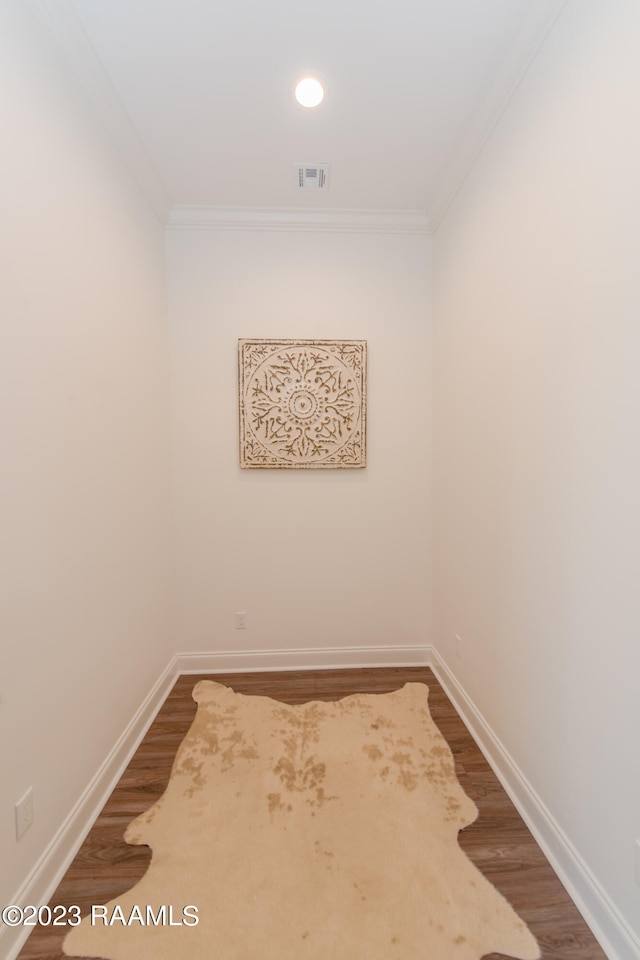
<point>307,405</point>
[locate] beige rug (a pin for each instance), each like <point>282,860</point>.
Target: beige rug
<point>326,831</point>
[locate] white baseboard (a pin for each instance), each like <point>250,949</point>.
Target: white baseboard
<point>325,658</point>
<point>54,862</point>
<point>47,873</point>
<point>606,922</point>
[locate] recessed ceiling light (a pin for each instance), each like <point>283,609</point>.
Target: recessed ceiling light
<point>309,92</point>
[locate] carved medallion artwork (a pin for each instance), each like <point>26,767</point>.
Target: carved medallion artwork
<point>302,403</point>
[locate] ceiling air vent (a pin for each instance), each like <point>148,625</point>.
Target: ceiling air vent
<point>312,176</point>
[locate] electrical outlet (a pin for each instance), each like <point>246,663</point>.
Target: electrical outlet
<point>637,850</point>
<point>24,813</point>
<point>241,620</point>
<point>458,642</point>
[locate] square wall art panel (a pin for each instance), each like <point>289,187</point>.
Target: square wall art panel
<point>302,403</point>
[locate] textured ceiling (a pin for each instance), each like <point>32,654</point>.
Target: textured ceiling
<point>208,88</point>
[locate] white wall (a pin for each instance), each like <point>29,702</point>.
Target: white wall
<point>322,558</point>
<point>537,452</point>
<point>84,630</point>
<point>537,464</point>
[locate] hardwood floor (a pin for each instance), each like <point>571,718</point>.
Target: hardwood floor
<point>498,842</point>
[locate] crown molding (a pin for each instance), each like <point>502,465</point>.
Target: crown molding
<point>298,219</point>
<point>71,40</point>
<point>68,35</point>
<point>533,31</point>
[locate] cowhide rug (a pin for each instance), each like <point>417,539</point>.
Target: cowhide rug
<point>325,831</point>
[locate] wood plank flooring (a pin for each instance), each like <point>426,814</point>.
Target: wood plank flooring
<point>498,842</point>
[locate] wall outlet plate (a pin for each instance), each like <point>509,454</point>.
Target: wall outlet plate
<point>637,851</point>
<point>24,813</point>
